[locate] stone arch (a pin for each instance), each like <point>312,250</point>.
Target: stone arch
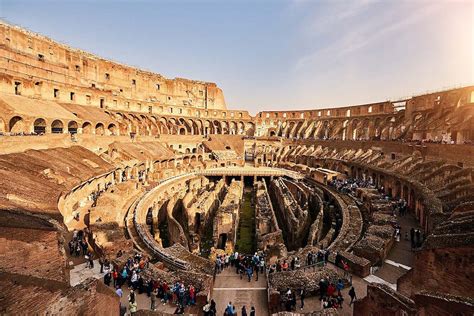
<point>99,129</point>
<point>72,127</point>
<point>324,131</point>
<point>217,127</point>
<point>241,128</point>
<point>225,127</point>
<point>163,126</point>
<point>112,128</point>
<point>57,127</point>
<point>17,125</point>
<point>233,128</point>
<point>39,126</point>
<point>250,129</point>
<point>355,132</point>
<point>344,129</point>
<point>86,128</point>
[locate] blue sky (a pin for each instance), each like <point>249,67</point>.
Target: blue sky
<point>274,54</point>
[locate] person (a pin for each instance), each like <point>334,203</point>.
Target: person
<point>107,278</point>
<point>352,294</point>
<point>71,247</point>
<point>252,311</point>
<point>322,288</point>
<point>302,297</point>
<point>244,311</point>
<point>249,272</point>
<point>206,308</point>
<point>339,286</point>
<point>132,305</point>
<point>119,292</point>
<point>228,310</point>
<point>345,266</point>
<point>192,295</point>
<point>213,309</point>
<point>153,300</point>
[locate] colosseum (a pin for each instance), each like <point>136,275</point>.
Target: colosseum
<point>125,191</point>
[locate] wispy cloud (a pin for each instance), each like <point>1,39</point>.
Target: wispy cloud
<point>361,31</point>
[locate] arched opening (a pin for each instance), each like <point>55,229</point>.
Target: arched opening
<point>99,129</point>
<point>87,128</point>
<point>222,241</point>
<point>72,127</point>
<point>112,128</point>
<point>57,127</point>
<point>39,126</point>
<point>16,125</point>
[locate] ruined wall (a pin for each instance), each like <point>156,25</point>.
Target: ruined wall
<point>37,65</point>
<point>436,270</point>
<point>381,300</point>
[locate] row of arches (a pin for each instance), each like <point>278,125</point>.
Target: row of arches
<point>152,125</point>
<point>20,125</point>
<point>375,128</point>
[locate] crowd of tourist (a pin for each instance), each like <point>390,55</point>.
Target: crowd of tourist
<point>320,257</point>
<point>130,275</point>
<point>349,186</point>
<point>399,207</point>
<point>230,310</point>
<point>248,265</point>
<point>78,246</point>
<point>330,295</point>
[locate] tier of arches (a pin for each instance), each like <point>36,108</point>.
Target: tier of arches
<point>126,124</point>
<point>22,125</point>
<point>152,125</point>
<point>373,128</point>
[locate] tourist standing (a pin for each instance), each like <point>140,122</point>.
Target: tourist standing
<point>302,297</point>
<point>153,300</point>
<point>352,295</point>
<point>244,311</point>
<point>252,311</point>
<point>132,305</point>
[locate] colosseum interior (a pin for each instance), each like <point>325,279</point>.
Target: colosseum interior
<point>157,184</point>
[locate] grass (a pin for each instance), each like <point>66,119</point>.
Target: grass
<point>246,232</point>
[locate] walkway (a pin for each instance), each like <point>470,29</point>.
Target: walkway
<point>400,258</point>
<point>313,304</point>
<point>228,287</point>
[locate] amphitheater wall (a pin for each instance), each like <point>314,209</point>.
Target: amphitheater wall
<point>456,153</point>
<point>381,300</point>
<point>52,65</point>
<point>436,270</point>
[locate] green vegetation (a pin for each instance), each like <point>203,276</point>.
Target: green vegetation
<point>246,242</point>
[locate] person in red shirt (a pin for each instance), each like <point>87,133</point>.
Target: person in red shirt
<point>192,295</point>
<point>115,277</point>
<point>331,290</point>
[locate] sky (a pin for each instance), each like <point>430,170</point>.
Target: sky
<point>274,54</point>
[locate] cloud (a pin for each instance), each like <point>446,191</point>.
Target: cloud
<point>363,29</point>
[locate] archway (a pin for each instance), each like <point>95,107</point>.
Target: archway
<point>99,129</point>
<point>72,127</point>
<point>16,125</point>
<point>57,127</point>
<point>39,126</point>
<point>112,128</point>
<point>87,128</point>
